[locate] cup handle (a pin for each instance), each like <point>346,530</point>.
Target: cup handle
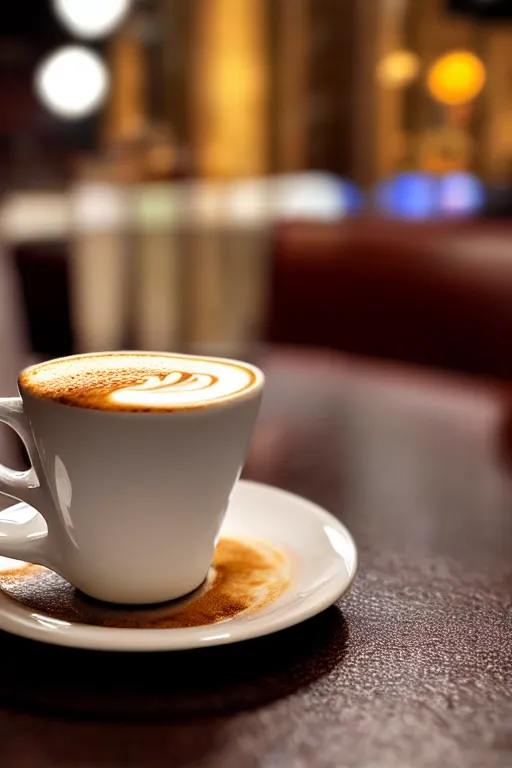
<point>24,486</point>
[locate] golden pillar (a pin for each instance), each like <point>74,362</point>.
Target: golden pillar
<point>389,104</point>
<point>127,110</point>
<point>230,88</point>
<point>291,97</point>
<point>496,144</point>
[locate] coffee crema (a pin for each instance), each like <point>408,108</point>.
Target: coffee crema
<point>139,381</point>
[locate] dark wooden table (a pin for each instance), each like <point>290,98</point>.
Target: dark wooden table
<point>412,668</point>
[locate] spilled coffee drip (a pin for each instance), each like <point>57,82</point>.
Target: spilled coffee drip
<point>246,576</point>
<point>138,381</point>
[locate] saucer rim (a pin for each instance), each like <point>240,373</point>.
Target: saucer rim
<point>17,620</point>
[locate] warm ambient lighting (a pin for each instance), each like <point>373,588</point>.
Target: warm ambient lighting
<point>456,78</point>
<point>398,69</point>
<point>72,82</point>
<point>91,18</point>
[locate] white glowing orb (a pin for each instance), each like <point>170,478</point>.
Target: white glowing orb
<point>311,196</point>
<point>91,18</point>
<point>72,82</point>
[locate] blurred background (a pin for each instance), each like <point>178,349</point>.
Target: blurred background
<point>216,175</point>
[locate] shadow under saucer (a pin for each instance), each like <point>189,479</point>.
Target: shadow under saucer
<point>97,685</point>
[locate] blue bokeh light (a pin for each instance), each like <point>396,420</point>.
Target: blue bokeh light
<point>419,196</point>
<point>408,196</point>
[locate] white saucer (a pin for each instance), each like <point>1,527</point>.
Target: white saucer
<point>322,562</point>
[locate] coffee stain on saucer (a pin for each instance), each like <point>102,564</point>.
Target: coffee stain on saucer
<point>245,576</point>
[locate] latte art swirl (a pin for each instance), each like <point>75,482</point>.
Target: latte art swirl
<point>175,381</point>
<point>173,385</point>
<point>139,381</point>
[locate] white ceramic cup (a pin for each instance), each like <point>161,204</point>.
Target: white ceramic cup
<point>133,501</point>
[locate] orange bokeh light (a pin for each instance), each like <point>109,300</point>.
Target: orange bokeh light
<point>456,78</point>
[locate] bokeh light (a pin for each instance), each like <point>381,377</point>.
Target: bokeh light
<point>419,196</point>
<point>398,69</point>
<point>314,196</point>
<point>246,202</point>
<point>456,78</point>
<point>98,207</point>
<point>91,18</point>
<point>460,194</point>
<point>408,196</point>
<point>72,82</point>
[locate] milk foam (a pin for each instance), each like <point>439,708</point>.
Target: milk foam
<point>131,381</point>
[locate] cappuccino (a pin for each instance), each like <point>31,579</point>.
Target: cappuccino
<point>139,381</point>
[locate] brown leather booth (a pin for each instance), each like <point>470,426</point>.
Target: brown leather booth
<point>435,294</point>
